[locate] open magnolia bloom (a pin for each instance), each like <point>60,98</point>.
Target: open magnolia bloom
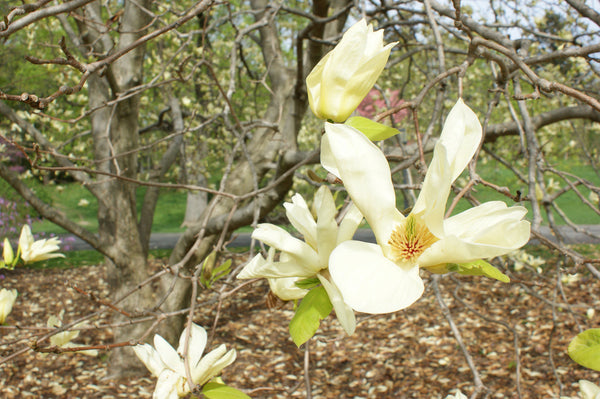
<point>7,300</point>
<point>385,277</point>
<point>33,251</point>
<point>589,390</point>
<point>344,76</point>
<point>63,339</point>
<point>300,260</point>
<point>168,365</point>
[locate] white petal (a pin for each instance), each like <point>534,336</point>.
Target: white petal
<point>491,223</point>
<point>26,238</point>
<point>349,224</point>
<point>326,225</point>
<point>457,144</point>
<point>166,386</point>
<point>168,355</point>
<point>148,355</point>
<point>452,249</point>
<point>588,389</point>
<point>286,289</point>
<point>212,364</point>
<point>366,175</point>
<point>278,238</point>
<point>371,283</point>
<point>488,230</point>
<point>300,217</point>
<point>460,136</point>
<point>258,267</point>
<point>344,313</point>
<point>196,345</point>
<point>328,161</point>
<point>314,86</point>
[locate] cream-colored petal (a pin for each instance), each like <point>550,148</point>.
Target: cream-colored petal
<point>7,252</point>
<point>491,223</point>
<point>371,283</point>
<point>453,249</point>
<point>488,230</point>
<point>588,389</point>
<point>366,175</point>
<point>349,224</point>
<point>150,357</point>
<point>167,384</point>
<point>314,86</point>
<point>344,313</point>
<point>254,268</point>
<point>460,136</point>
<point>212,364</point>
<point>328,161</point>
<point>278,238</point>
<point>286,289</point>
<point>168,355</point>
<point>26,238</point>
<point>357,84</point>
<point>197,343</point>
<point>7,300</point>
<point>326,225</point>
<point>302,219</point>
<point>258,267</point>
<point>458,142</point>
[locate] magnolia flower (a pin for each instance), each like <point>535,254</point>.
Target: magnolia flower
<point>589,390</point>
<point>457,395</point>
<point>384,277</point>
<point>8,256</point>
<point>63,339</point>
<point>168,365</point>
<point>309,258</point>
<point>344,76</point>
<point>33,251</point>
<point>7,300</point>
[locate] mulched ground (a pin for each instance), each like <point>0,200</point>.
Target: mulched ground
<point>408,354</point>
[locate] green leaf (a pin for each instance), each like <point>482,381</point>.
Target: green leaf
<point>478,268</point>
<point>214,390</point>
<point>314,307</point>
<point>373,130</point>
<point>210,274</point>
<point>308,283</point>
<point>222,270</point>
<point>584,349</point>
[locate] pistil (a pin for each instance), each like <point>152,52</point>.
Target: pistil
<point>410,239</point>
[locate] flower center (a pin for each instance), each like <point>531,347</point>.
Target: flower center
<point>410,239</point>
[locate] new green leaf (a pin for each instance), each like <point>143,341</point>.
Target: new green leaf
<point>214,390</point>
<point>373,130</point>
<point>479,268</point>
<point>308,283</point>
<point>314,307</point>
<point>585,349</point>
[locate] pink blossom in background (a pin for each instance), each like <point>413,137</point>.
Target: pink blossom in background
<point>374,104</point>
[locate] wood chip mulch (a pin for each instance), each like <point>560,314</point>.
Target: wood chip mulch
<point>408,354</point>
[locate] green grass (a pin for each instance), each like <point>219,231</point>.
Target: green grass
<point>170,209</point>
<point>168,217</point>
<point>74,259</point>
<point>569,202</point>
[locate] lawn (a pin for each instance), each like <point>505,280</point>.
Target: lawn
<point>81,206</point>
<point>77,203</point>
<point>569,202</point>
